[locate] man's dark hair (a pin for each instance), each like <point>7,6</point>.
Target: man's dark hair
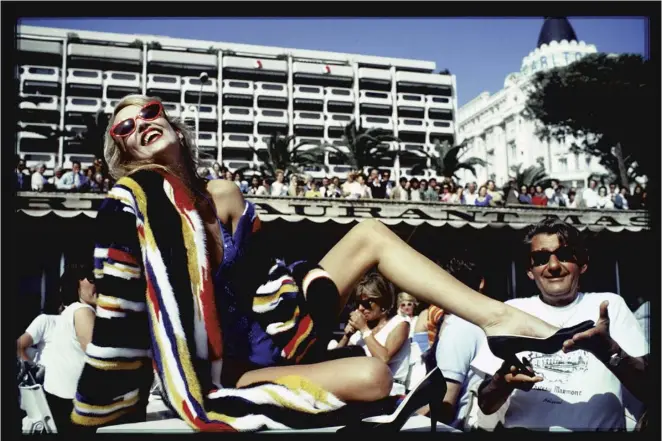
<point>466,271</point>
<point>76,162</point>
<point>403,180</point>
<point>567,234</point>
<point>70,279</point>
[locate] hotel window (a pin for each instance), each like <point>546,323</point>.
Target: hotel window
<point>512,150</point>
<point>563,164</point>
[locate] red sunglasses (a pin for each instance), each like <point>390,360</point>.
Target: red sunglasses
<point>149,112</point>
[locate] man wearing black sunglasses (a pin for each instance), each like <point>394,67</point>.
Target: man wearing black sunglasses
<point>580,387</point>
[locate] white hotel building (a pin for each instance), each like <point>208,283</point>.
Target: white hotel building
<point>252,92</point>
<point>495,129</point>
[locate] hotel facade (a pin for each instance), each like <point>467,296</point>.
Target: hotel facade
<point>68,76</point>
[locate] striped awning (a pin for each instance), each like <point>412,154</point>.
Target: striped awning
<point>344,211</point>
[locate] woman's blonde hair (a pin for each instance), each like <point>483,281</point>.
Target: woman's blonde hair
<point>405,297</point>
<point>375,286</point>
<point>121,164</point>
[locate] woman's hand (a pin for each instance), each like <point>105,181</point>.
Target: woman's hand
<point>349,329</point>
<point>357,320</point>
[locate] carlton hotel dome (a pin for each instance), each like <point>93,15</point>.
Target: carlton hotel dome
<point>494,128</point>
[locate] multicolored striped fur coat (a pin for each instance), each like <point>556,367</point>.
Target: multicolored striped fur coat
<point>156,311</point>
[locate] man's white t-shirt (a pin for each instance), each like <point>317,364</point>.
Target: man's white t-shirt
<point>590,198</point>
<point>41,330</point>
<point>470,198</point>
<point>578,391</point>
<point>459,343</point>
<point>278,189</point>
<point>65,356</point>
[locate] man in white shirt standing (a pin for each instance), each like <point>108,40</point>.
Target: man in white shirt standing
<point>580,387</point>
<point>72,180</point>
<point>590,195</point>
<point>38,179</point>
<point>458,343</point>
<point>31,344</point>
<point>471,194</point>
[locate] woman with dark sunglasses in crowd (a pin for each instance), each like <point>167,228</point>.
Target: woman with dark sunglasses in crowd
<point>376,316</point>
<point>186,289</point>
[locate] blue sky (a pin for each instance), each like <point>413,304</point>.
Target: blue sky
<point>480,51</point>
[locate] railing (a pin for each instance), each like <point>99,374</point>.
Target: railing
<point>390,212</point>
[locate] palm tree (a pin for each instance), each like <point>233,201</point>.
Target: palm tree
<point>531,176</point>
<point>91,139</point>
<point>447,161</point>
<point>279,156</point>
<point>366,147</point>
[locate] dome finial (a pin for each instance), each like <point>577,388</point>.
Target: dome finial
<point>556,29</point>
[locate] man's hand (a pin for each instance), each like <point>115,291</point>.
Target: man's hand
<point>512,377</point>
<point>597,339</point>
<point>349,329</point>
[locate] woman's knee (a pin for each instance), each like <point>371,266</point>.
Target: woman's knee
<point>376,377</point>
<point>372,232</point>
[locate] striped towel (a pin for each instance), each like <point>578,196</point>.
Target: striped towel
<point>157,311</point>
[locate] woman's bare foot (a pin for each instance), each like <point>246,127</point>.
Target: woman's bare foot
<point>513,321</point>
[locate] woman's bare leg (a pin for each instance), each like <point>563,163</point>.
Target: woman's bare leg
<point>349,379</point>
<point>371,244</point>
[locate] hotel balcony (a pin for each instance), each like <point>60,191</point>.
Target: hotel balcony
<point>129,80</point>
<point>39,102</point>
<point>304,118</point>
<point>207,140</point>
<point>308,92</point>
<point>244,114</point>
<point>156,82</point>
<point>81,104</point>
<point>238,140</point>
<point>238,87</point>
<point>338,94</point>
<point>438,102</point>
<point>271,89</point>
<point>377,122</point>
<point>173,110</point>
<point>410,100</point>
<point>375,97</point>
<point>412,125</point>
<point>194,85</point>
<point>46,74</point>
<point>273,116</point>
<point>86,77</point>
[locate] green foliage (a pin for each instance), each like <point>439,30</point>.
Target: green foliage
<point>603,102</point>
<point>531,176</point>
<point>446,161</point>
<point>366,147</point>
<point>279,156</point>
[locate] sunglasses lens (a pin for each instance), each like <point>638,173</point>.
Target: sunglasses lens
<point>540,258</point>
<point>124,128</point>
<point>150,111</point>
<point>565,254</point>
<point>367,304</point>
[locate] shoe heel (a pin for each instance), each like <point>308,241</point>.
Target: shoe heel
<point>435,413</point>
<point>521,367</point>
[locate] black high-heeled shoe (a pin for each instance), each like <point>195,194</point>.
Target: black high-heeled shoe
<point>507,347</point>
<point>430,388</point>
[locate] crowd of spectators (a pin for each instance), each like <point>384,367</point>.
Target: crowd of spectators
<point>94,179</point>
<point>375,185</point>
<point>378,185</point>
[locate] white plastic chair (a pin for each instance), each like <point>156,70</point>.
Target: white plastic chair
<point>33,402</point>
